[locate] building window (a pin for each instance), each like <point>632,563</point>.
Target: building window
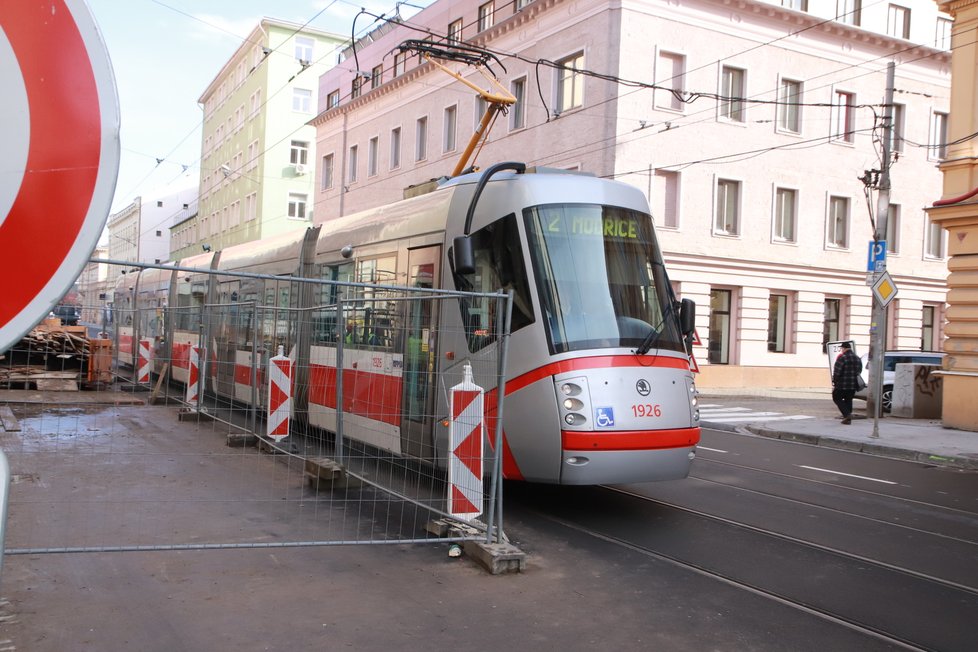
<point>727,221</point>
<point>299,152</point>
<point>938,136</point>
<point>352,176</point>
<point>838,235</point>
<point>843,117</point>
<point>720,320</point>
<point>297,205</point>
<point>893,229</point>
<point>777,323</point>
<point>797,5</point>
<point>251,206</point>
<point>732,94</point>
<point>395,148</point>
<point>333,100</point>
<point>302,100</point>
<point>448,138</point>
<point>517,116</point>
<point>522,3</point>
<point>455,31</point>
<point>377,76</point>
<point>665,198</point>
<point>327,172</point>
<point>928,329</point>
<point>485,16</point>
<point>570,83</point>
<point>898,21</point>
<point>670,81</point>
<point>789,106</point>
<point>933,240</point>
<point>303,49</point>
<point>849,12</point>
<point>400,63</point>
<point>942,39</point>
<point>899,124</point>
<point>355,86</point>
<point>481,106</point>
<point>785,214</point>
<point>372,157</point>
<point>255,103</point>
<point>832,322</point>
<point>421,139</point>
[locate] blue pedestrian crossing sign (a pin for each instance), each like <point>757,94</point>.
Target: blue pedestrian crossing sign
<point>876,260</point>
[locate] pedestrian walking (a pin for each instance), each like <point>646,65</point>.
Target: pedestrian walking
<point>845,381</point>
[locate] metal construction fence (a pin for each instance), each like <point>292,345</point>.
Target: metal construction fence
<point>260,422</point>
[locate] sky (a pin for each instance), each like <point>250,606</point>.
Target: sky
<point>164,53</point>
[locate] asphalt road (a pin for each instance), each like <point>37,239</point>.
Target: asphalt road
<point>854,551</point>
<point>769,545</point>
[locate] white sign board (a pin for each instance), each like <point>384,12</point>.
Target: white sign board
<point>834,349</point>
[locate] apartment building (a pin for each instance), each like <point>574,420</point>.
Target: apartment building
<point>750,125</point>
<point>140,232</point>
<point>257,152</point>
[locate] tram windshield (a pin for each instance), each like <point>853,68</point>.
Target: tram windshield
<point>600,278</point>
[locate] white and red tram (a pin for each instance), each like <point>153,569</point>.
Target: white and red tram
<point>598,382</point>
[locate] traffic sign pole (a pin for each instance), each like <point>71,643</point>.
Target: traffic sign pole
<point>877,340</point>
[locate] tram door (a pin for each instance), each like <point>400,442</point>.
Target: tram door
<point>419,342</point>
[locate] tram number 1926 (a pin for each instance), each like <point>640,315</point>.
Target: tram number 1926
<point>646,410</point>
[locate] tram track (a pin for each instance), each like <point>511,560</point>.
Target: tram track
<point>805,479</point>
<point>850,514</point>
<point>853,589</point>
<point>744,586</point>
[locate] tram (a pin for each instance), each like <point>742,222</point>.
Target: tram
<point>597,378</point>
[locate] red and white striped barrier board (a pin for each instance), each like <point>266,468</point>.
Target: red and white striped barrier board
<point>279,396</point>
<point>193,379</point>
<point>144,361</point>
<point>465,443</point>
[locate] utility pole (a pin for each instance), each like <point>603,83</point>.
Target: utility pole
<point>877,328</point>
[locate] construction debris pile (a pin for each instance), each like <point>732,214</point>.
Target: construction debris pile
<point>53,356</point>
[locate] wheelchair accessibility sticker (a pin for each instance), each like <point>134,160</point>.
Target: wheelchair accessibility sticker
<point>604,417</point>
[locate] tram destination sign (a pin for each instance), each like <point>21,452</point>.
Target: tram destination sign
<point>628,228</point>
<point>59,125</point>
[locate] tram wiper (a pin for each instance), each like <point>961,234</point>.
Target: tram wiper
<point>650,339</point>
<point>654,334</point>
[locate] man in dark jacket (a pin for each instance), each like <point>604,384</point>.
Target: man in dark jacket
<point>845,379</point>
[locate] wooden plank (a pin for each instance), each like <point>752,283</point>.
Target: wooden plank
<point>159,382</point>
<point>7,418</point>
<point>56,385</point>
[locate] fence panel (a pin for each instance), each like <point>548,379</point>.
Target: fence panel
<point>128,467</point>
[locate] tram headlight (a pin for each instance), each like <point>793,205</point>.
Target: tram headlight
<point>574,419</point>
<point>573,404</point>
<point>570,389</point>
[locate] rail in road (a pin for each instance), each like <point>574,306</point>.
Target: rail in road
<point>883,553</point>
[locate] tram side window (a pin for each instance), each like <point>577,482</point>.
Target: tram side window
<point>324,298</point>
<point>372,320</point>
<point>499,266</point>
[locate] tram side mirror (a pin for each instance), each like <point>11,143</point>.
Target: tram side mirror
<point>687,316</point>
<point>464,257</point>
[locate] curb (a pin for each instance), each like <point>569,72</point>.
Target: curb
<point>870,448</point>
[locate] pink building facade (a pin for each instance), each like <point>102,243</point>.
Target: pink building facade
<point>747,124</point>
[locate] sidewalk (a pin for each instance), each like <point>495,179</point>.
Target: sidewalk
<point>920,440</point>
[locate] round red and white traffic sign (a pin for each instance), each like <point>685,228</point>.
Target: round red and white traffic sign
<point>59,125</point>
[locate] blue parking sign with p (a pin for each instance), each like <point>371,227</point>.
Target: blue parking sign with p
<point>876,260</point>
